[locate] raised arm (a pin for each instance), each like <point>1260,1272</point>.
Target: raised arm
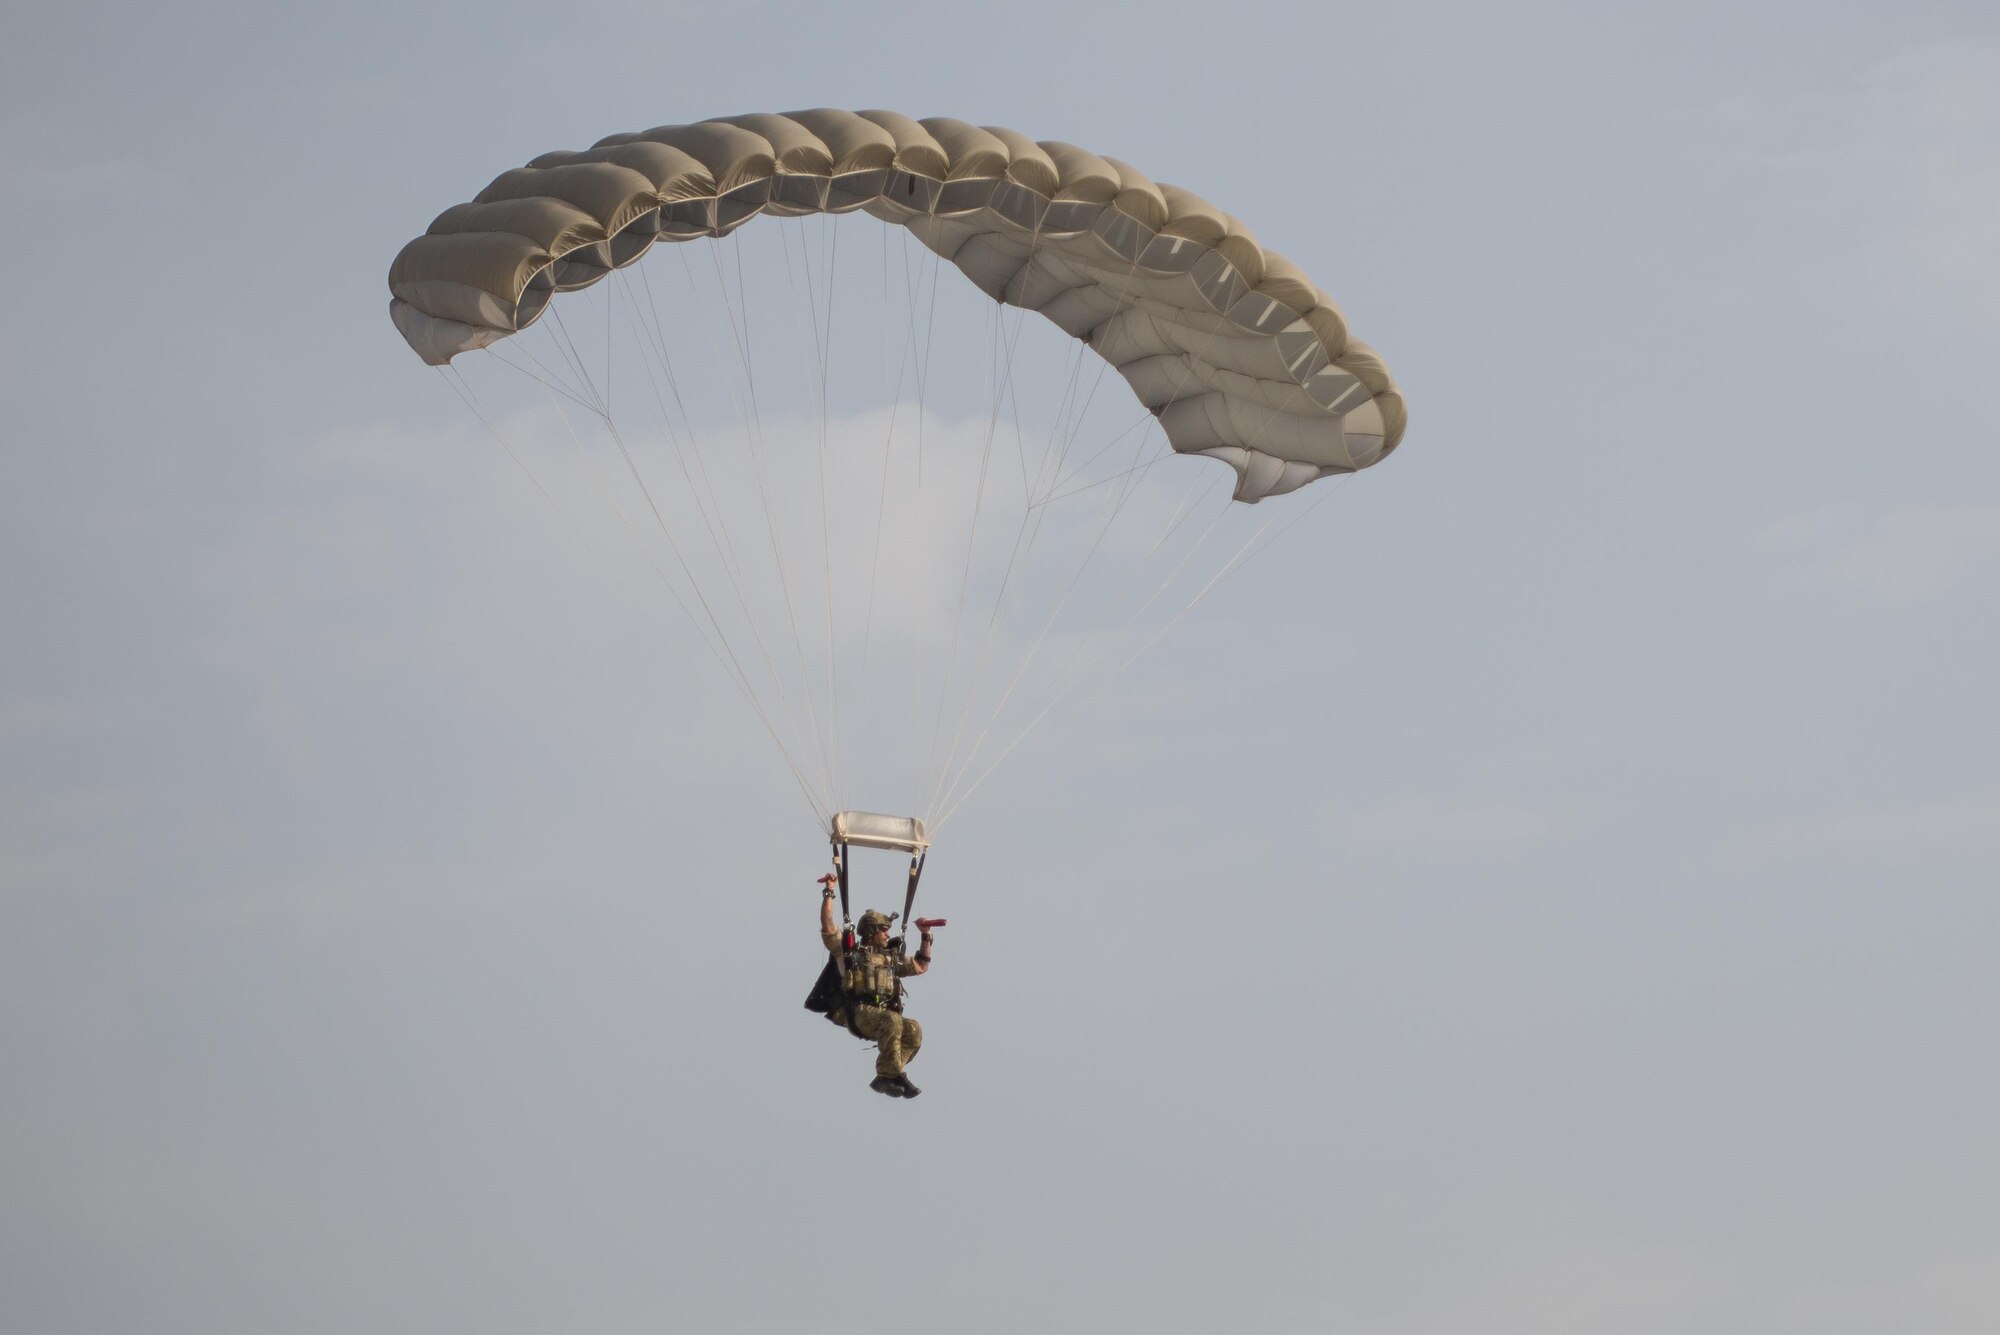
<point>829,931</point>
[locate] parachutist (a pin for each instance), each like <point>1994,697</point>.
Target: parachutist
<point>871,971</point>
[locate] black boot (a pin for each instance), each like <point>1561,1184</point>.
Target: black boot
<point>887,1084</point>
<point>910,1091</point>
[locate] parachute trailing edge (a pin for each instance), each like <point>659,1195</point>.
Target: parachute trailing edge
<point>1236,351</point>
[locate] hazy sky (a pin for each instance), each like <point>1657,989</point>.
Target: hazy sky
<point>1555,893</point>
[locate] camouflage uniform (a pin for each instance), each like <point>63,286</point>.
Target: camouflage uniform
<point>874,990</point>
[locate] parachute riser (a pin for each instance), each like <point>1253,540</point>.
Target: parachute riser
<point>840,871</point>
<point>910,893</point>
<point>846,922</point>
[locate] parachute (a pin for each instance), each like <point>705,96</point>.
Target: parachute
<point>1231,350</point>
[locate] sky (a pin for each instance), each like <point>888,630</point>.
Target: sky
<point>1551,890</point>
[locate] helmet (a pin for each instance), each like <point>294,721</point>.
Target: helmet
<point>874,918</point>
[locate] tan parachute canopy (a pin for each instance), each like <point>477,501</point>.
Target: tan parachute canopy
<point>1239,354</point>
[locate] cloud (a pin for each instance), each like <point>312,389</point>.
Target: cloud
<point>25,716</point>
<point>1562,1279</point>
<point>1930,142</point>
<point>1905,555</point>
<point>52,840</point>
<point>1566,1276</point>
<point>90,185</point>
<point>1911,153</point>
<point>785,537</point>
<point>1466,827</point>
<point>1956,1293</point>
<point>1961,831</point>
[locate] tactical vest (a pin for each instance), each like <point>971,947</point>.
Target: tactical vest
<point>871,976</point>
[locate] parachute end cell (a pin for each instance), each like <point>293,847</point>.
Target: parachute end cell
<point>437,339</point>
<point>1259,475</point>
<point>866,829</point>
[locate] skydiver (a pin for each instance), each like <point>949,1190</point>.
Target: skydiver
<point>874,973</point>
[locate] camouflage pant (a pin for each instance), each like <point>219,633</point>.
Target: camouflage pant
<point>897,1037</point>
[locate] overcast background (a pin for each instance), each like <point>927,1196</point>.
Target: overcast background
<point>1567,906</point>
